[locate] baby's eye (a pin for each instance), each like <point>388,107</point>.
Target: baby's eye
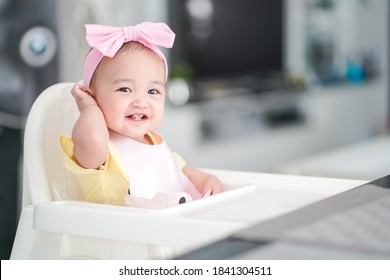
<point>153,91</point>
<point>124,89</point>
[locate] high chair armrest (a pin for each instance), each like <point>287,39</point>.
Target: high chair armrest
<point>127,224</point>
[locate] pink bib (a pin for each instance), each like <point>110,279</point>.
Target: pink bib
<point>152,169</point>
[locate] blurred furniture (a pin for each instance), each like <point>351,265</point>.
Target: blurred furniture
<point>10,142</point>
<point>364,160</point>
<point>28,64</point>
<point>244,139</point>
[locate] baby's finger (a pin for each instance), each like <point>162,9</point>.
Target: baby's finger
<point>80,92</point>
<point>77,91</point>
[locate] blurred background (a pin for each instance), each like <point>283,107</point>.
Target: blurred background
<point>284,86</point>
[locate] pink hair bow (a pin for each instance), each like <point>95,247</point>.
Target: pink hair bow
<point>107,40</point>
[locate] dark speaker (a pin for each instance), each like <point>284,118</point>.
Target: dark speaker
<point>28,64</point>
<point>28,52</point>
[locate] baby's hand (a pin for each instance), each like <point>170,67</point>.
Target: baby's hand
<point>83,96</point>
<point>207,184</point>
<point>212,186</point>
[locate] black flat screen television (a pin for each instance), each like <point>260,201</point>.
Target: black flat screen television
<point>228,39</point>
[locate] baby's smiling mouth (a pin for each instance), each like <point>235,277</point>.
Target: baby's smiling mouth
<point>138,117</point>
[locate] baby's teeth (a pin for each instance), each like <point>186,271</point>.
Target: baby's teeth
<point>137,117</point>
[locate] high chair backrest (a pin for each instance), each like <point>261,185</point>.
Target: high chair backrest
<point>44,177</point>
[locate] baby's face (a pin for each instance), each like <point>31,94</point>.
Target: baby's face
<point>130,90</point>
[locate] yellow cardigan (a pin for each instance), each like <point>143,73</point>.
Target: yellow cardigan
<point>109,183</point>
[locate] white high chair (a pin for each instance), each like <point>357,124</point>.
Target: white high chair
<point>56,224</point>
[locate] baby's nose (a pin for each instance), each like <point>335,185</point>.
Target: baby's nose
<point>139,103</point>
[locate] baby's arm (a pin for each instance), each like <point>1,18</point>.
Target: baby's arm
<point>203,181</point>
<point>90,134</point>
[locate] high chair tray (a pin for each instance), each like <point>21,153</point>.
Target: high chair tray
<point>73,229</point>
<point>126,224</point>
<point>218,214</point>
<point>104,221</point>
<point>244,205</point>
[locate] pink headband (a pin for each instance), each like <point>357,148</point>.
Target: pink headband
<point>107,40</point>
